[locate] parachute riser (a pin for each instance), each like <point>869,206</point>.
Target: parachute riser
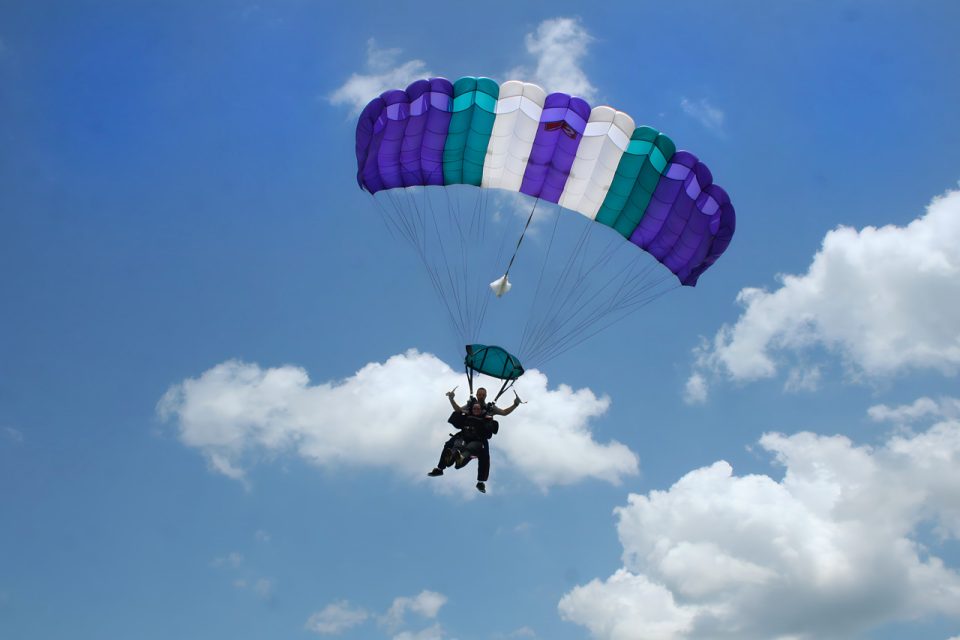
<point>502,284</point>
<point>506,385</point>
<point>520,239</point>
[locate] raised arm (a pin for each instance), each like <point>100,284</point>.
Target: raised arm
<point>505,412</point>
<point>453,403</point>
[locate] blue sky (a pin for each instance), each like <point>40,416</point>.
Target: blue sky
<point>221,378</point>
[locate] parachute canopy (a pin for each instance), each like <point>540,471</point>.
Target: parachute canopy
<point>553,147</point>
<point>493,361</point>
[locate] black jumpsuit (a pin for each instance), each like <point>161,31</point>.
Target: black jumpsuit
<point>472,429</point>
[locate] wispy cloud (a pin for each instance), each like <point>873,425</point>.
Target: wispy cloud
<point>521,529</point>
<point>233,560</point>
<point>433,632</point>
<point>884,299</point>
<point>696,389</point>
<point>340,616</point>
<point>426,604</point>
<point>803,379</point>
<point>245,579</point>
<point>558,47</point>
<point>336,618</point>
<point>236,412</point>
<point>265,588</point>
<point>705,113</point>
<point>384,70</point>
<point>920,409</point>
<point>13,435</point>
<point>828,551</point>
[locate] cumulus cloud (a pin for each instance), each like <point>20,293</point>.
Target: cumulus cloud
<point>336,618</point>
<point>238,413</point>
<point>618,607</point>
<point>384,71</point>
<point>705,113</point>
<point>884,299</point>
<point>827,552</point>
<point>558,47</point>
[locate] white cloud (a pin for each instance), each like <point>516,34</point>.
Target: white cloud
<point>828,552</point>
<point>705,113</point>
<point>427,604</point>
<point>244,579</point>
<point>522,528</point>
<point>341,615</point>
<point>696,389</point>
<point>13,435</point>
<point>558,46</point>
<point>803,379</point>
<point>336,618</point>
<point>919,409</point>
<point>234,560</point>
<point>223,465</point>
<point>434,632</point>
<point>261,536</point>
<point>265,588</point>
<point>886,300</point>
<point>384,71</point>
<point>623,604</point>
<point>516,207</point>
<point>237,413</point>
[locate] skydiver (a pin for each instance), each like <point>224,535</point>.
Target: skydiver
<point>476,425</point>
<point>489,408</point>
